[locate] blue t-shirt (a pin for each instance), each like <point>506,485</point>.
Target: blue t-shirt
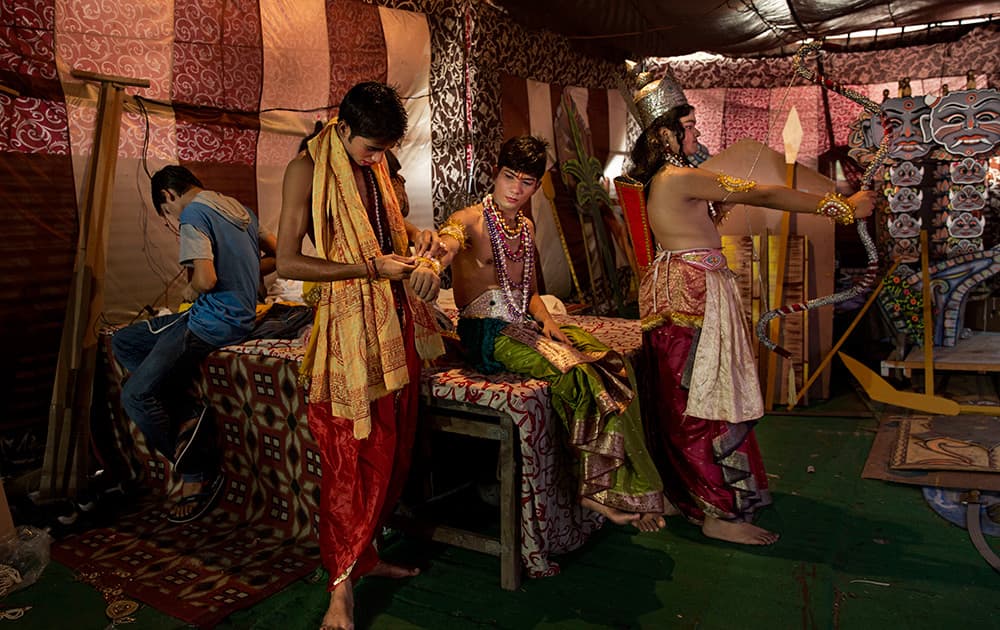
<point>225,315</point>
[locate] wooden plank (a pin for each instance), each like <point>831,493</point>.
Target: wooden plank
<point>466,540</point>
<point>978,353</point>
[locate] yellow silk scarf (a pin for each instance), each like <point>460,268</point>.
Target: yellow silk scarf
<point>356,353</point>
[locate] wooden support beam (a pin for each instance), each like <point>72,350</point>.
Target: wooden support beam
<point>792,138</point>
<point>67,447</point>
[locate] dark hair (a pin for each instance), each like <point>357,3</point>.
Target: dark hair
<point>392,163</point>
<point>648,153</point>
<point>524,154</point>
<point>374,110</point>
<point>318,127</point>
<point>175,178</point>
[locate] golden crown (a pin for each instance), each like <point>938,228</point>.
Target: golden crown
<point>652,97</point>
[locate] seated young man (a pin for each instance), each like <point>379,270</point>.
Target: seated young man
<point>219,245</point>
<point>505,326</point>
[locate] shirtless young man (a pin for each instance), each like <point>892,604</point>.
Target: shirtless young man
<point>505,326</point>
<point>700,393</point>
<point>372,329</point>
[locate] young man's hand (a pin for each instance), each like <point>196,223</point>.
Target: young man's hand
<point>426,243</point>
<point>394,266</point>
<point>425,283</point>
<point>864,203</point>
<point>551,330</point>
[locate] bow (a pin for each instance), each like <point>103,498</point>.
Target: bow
<point>871,271</point>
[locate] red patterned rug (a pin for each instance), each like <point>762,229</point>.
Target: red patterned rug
<point>258,539</point>
<point>200,572</point>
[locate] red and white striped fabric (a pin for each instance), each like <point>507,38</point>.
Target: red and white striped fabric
<point>237,85</point>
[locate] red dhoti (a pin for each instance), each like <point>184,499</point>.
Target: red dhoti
<point>363,478</point>
<point>700,391</point>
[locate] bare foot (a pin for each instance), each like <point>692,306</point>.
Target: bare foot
<point>384,569</point>
<point>340,614</point>
<point>650,522</point>
<point>669,509</point>
<point>617,517</point>
<point>738,532</point>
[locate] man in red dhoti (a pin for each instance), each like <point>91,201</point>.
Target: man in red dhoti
<point>371,330</point>
<point>702,397</point>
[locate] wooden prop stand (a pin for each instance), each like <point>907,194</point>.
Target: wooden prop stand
<point>69,412</point>
<point>792,137</point>
<point>854,323</point>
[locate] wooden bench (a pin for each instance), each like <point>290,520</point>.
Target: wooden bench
<point>458,418</point>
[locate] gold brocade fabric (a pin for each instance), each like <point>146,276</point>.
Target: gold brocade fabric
<point>681,287</point>
<point>356,352</point>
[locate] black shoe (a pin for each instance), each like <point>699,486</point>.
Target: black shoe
<point>199,503</point>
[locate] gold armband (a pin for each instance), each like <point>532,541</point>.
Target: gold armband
<point>732,184</point>
<point>836,207</point>
<point>433,263</point>
<point>455,229</point>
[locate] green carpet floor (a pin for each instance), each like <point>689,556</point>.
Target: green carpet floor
<point>854,554</point>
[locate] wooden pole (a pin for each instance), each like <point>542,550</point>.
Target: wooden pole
<point>792,137</point>
<point>67,444</point>
<point>925,279</point>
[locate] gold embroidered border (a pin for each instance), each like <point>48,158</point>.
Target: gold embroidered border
<point>655,321</point>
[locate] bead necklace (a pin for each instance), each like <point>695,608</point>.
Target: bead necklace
<point>508,285</point>
<point>522,234</point>
<point>520,225</point>
<point>377,205</point>
<point>675,160</point>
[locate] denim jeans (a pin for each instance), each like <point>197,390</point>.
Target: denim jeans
<point>163,358</point>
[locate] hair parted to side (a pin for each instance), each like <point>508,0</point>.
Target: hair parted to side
<point>524,154</point>
<point>374,110</point>
<point>172,177</point>
<point>648,155</point>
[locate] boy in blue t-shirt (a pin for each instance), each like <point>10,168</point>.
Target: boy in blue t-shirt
<point>219,246</point>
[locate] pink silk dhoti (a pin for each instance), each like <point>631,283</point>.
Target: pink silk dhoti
<point>363,478</point>
<point>697,359</point>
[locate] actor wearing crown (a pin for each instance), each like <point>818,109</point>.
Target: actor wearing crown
<point>700,394</point>
<point>505,326</point>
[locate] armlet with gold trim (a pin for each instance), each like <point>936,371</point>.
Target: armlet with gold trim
<point>732,184</point>
<point>455,229</point>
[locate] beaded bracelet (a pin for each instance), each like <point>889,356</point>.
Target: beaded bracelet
<point>836,207</point>
<point>371,268</point>
<point>433,263</point>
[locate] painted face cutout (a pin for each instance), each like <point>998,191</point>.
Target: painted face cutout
<point>905,249</point>
<point>904,198</point>
<point>906,174</point>
<point>967,171</point>
<point>958,246</point>
<point>967,197</point>
<point>901,118</point>
<point>966,225</point>
<point>903,226</point>
<point>967,122</point>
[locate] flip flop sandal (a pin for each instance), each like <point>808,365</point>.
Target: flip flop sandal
<point>186,438</point>
<point>201,502</point>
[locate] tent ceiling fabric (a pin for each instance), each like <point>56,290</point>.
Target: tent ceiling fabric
<point>633,29</point>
